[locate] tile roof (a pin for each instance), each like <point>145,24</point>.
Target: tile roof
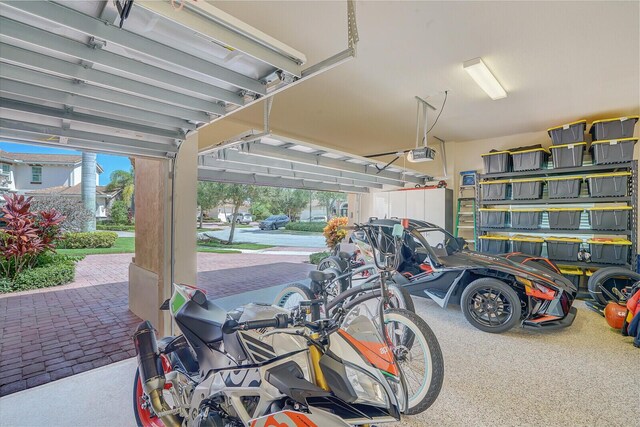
<point>37,157</point>
<point>64,190</point>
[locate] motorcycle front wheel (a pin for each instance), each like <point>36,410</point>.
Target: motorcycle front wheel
<point>418,353</point>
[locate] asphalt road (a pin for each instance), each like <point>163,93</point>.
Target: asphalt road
<point>273,237</point>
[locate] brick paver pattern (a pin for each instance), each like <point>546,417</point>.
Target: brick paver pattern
<point>52,333</point>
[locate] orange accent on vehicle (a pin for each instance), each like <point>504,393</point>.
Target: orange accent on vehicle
<point>300,420</point>
<point>544,318</point>
<point>532,291</point>
<point>378,354</point>
<point>407,275</point>
<point>426,268</point>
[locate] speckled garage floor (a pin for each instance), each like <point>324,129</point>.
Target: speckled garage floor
<point>586,375</point>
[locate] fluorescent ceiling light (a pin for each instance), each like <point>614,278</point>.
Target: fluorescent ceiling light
<point>479,72</point>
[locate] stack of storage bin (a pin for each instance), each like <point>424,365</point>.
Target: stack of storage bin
<point>494,190</point>
<point>494,217</point>
<point>614,184</point>
<point>609,217</point>
<point>613,140</point>
<point>568,144</point>
<point>564,187</point>
<point>526,219</point>
<point>563,248</point>
<point>564,218</point>
<point>526,189</point>
<point>527,245</point>
<point>497,162</point>
<point>529,160</point>
<point>494,244</point>
<point>609,250</point>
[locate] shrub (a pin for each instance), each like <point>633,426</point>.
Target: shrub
<point>96,239</point>
<point>119,212</point>
<point>113,227</point>
<point>333,232</point>
<point>51,270</point>
<point>315,227</point>
<point>76,215</point>
<point>46,276</point>
<point>316,257</point>
<point>26,235</point>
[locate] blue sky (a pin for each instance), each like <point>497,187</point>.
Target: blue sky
<point>108,162</point>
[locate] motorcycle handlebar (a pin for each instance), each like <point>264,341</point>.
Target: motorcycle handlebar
<point>280,321</point>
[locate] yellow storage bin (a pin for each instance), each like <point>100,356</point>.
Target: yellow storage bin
<point>609,250</point>
<point>614,184</point>
<point>564,218</point>
<point>494,244</point>
<point>618,127</point>
<point>568,133</point>
<point>496,162</point>
<point>529,245</point>
<point>563,248</point>
<point>568,155</point>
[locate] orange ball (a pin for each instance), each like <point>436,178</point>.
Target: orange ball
<point>615,314</point>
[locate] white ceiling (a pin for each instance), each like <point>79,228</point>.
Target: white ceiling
<point>559,61</point>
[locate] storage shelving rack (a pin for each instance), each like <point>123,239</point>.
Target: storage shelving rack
<point>631,199</point>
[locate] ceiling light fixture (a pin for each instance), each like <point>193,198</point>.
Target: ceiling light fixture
<point>481,74</point>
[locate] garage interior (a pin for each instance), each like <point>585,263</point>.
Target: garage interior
<point>322,96</point>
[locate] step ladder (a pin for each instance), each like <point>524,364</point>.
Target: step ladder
<point>466,215</point>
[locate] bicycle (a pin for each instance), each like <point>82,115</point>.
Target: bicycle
<point>413,344</point>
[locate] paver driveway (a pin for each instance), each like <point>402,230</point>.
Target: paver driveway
<point>52,333</point>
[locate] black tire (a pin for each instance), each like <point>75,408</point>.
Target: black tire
<point>296,288</point>
<point>332,262</point>
<point>609,278</point>
<point>506,303</point>
<point>404,295</point>
<point>424,336</point>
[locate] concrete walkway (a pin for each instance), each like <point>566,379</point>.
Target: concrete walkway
<point>48,334</point>
<point>520,378</point>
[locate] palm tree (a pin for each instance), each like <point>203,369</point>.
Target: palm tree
<point>123,181</point>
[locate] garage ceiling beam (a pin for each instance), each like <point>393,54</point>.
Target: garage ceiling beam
<point>25,107</point>
<point>32,35</point>
<point>238,158</point>
<point>91,26</point>
<point>13,72</point>
<point>46,63</point>
<point>265,170</point>
<point>29,138</point>
<point>45,130</point>
<point>311,159</point>
<point>69,99</point>
<point>253,179</point>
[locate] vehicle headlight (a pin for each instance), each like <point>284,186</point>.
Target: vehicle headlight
<point>368,389</point>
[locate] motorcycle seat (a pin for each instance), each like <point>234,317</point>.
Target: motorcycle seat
<point>321,276</point>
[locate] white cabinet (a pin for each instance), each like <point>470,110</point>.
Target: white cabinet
<point>431,205</point>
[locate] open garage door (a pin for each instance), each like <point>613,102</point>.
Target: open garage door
<point>132,78</point>
<point>282,162</point>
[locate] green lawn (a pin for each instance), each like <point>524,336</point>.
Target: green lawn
<point>123,245</point>
<point>126,245</point>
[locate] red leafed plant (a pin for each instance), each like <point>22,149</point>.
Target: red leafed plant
<point>25,235</point>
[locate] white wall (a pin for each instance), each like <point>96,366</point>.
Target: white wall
<point>52,176</point>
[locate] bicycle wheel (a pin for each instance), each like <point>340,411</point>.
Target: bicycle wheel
<point>418,353</point>
<point>290,297</point>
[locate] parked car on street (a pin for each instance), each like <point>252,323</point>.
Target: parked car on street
<point>240,218</point>
<point>274,222</point>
